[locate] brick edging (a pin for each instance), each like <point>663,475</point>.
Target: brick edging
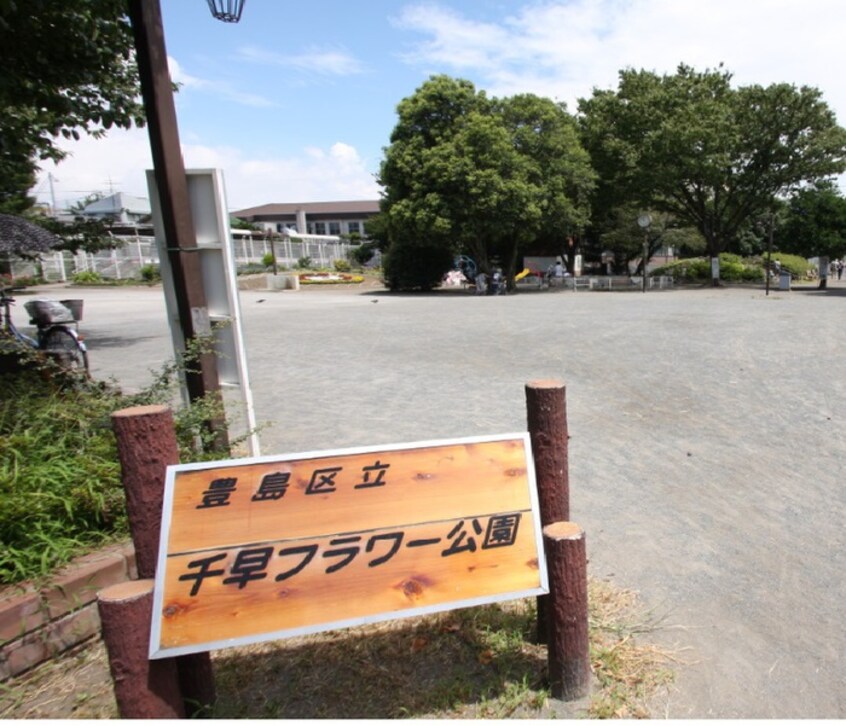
<point>39,623</point>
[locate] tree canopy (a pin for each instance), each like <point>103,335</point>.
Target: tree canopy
<point>814,223</point>
<point>711,155</point>
<point>625,238</point>
<point>67,69</point>
<point>465,173</point>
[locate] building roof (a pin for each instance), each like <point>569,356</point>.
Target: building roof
<point>339,208</point>
<point>117,203</point>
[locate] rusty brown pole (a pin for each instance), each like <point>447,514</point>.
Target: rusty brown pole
<point>144,688</point>
<point>546,406</point>
<point>568,653</point>
<point>174,201</point>
<point>146,442</point>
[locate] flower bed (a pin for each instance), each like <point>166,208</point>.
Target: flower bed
<point>329,278</point>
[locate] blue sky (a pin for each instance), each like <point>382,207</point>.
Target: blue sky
<point>297,101</point>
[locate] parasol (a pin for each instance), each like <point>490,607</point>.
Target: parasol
<point>21,237</point>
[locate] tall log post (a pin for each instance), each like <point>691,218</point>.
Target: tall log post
<point>144,688</point>
<point>546,407</point>
<point>146,441</point>
<point>568,653</point>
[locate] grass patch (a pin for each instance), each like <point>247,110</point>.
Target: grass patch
<point>60,488</point>
<point>472,663</point>
<point>60,491</point>
<point>628,673</point>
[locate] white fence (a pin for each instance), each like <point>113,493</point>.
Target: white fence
<point>134,253</point>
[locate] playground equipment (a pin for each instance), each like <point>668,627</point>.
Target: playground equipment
<point>466,265</point>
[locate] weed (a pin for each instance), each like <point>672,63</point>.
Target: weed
<point>60,488</point>
<point>87,277</point>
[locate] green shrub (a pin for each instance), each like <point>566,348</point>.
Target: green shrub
<point>87,277</point>
<point>797,266</point>
<point>267,259</point>
<point>690,269</point>
<point>753,273</point>
<point>150,273</point>
<point>304,263</point>
<point>342,265</point>
<point>733,268</point>
<point>414,266</point>
<point>362,254</point>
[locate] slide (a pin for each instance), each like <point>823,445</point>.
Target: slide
<point>521,275</point>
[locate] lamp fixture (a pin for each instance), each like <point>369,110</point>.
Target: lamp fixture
<point>229,11</point>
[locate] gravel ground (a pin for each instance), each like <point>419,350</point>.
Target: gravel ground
<point>707,451</point>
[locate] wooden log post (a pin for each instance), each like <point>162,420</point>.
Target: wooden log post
<point>546,407</point>
<point>146,441</point>
<point>144,688</point>
<point>568,652</point>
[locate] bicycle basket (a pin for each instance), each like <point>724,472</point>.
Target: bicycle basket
<point>75,306</point>
<point>48,312</point>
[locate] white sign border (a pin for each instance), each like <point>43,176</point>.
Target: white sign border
<point>156,651</point>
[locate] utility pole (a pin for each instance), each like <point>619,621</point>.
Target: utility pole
<point>182,251</point>
<point>55,212</point>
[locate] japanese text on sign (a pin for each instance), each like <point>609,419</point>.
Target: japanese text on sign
<point>266,548</point>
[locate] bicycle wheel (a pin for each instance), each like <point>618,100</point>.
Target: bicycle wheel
<point>65,349</point>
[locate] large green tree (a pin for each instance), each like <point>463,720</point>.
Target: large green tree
<point>67,69</point>
<point>814,223</point>
<point>420,208</point>
<point>713,156</point>
<point>558,169</point>
<point>465,173</point>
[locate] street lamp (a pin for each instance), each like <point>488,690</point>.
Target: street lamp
<point>643,221</point>
<point>229,11</point>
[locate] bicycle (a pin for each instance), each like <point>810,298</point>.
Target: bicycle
<point>54,336</point>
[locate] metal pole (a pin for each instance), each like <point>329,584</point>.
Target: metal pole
<point>769,254</point>
<point>172,184</point>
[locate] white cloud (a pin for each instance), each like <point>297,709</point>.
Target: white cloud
<point>565,49</point>
<point>219,88</point>
<point>118,163</point>
<point>455,41</point>
<point>322,62</point>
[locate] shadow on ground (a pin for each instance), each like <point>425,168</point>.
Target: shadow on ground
<point>477,663</point>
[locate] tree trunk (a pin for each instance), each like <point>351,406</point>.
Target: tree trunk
<point>511,268</point>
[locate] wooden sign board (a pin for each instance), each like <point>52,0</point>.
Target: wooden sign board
<point>272,547</point>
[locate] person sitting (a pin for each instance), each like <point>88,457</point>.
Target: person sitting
<point>497,282</point>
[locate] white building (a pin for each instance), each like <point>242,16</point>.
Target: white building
<point>320,218</point>
<point>119,208</point>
